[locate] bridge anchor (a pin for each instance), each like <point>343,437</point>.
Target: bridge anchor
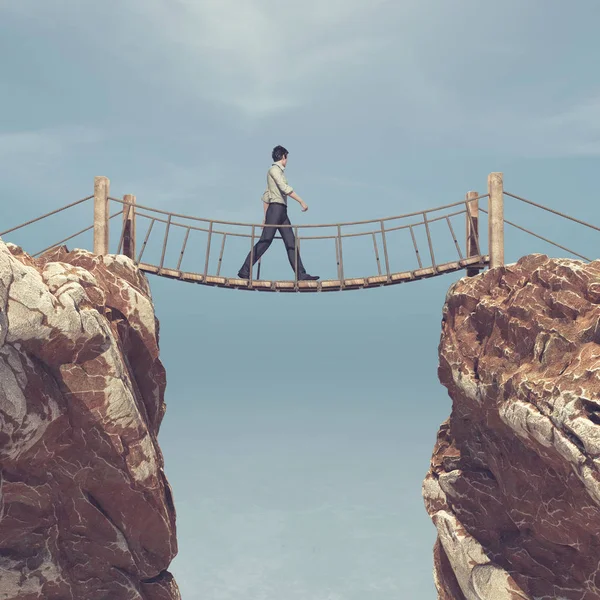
<point>472,216</point>
<point>496,219</point>
<point>129,226</point>
<point>101,191</point>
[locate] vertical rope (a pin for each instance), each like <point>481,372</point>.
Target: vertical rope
<point>429,241</point>
<point>164,248</point>
<point>385,251</point>
<point>454,238</point>
<point>187,233</point>
<point>221,254</point>
<point>339,237</point>
<point>210,230</point>
<point>146,240</point>
<point>414,240</point>
<point>376,254</point>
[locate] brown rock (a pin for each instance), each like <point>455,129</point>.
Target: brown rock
<point>86,512</point>
<point>514,482</point>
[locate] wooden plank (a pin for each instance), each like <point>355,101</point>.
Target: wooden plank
<point>377,280</point>
<point>171,273</point>
<point>406,276</point>
<point>192,277</point>
<point>261,284</point>
<point>148,268</point>
<point>360,282</point>
<point>210,280</point>
<point>422,273</point>
<point>328,285</point>
<point>447,267</point>
<point>473,260</point>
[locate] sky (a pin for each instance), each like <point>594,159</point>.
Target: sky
<point>299,427</point>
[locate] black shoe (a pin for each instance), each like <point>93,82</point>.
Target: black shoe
<point>307,277</point>
<point>243,275</point>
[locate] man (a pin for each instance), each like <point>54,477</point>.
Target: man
<point>275,206</point>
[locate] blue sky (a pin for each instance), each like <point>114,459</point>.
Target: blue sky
<point>299,427</point>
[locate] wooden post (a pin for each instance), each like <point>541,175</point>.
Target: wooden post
<point>496,219</point>
<point>129,226</point>
<point>472,231</point>
<point>101,191</point>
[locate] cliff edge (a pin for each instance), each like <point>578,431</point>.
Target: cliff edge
<point>514,483</point>
<point>86,512</point>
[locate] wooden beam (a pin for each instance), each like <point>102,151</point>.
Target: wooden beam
<point>472,217</point>
<point>101,191</point>
<point>129,226</point>
<point>496,219</point>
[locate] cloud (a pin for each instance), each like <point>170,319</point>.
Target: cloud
<point>42,149</point>
<point>531,128</point>
<point>418,70</point>
<point>259,57</point>
<point>575,130</point>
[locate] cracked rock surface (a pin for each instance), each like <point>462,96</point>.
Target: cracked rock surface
<point>86,512</point>
<point>514,483</point>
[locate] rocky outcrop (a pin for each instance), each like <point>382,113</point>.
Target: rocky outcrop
<point>86,512</point>
<point>514,483</point>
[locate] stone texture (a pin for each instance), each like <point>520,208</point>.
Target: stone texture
<point>86,512</point>
<point>514,483</point>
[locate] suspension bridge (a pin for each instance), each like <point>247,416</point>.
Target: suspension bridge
<point>411,237</point>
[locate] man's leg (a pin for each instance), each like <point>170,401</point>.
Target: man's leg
<point>273,217</point>
<point>289,239</point>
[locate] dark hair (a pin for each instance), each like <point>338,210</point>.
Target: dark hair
<point>278,153</point>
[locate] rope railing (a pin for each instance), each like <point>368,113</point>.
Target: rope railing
<point>544,239</point>
<point>46,215</point>
<point>342,231</point>
<point>305,237</point>
<point>422,219</point>
<point>71,237</point>
<point>551,210</point>
<point>306,226</point>
<point>379,232</point>
<point>174,221</point>
<point>420,228</point>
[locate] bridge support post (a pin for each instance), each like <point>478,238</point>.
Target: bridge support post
<point>496,219</point>
<point>129,226</point>
<point>472,216</point>
<point>101,191</point>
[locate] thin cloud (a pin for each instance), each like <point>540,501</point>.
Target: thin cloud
<point>260,57</point>
<point>43,148</point>
<point>576,130</point>
<point>406,66</point>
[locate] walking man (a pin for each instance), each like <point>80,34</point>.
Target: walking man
<point>275,206</point>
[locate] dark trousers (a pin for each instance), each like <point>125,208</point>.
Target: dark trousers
<point>276,215</point>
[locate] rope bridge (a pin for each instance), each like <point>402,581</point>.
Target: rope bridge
<point>402,248</point>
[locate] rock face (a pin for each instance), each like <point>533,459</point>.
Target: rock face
<point>86,512</point>
<point>514,483</point>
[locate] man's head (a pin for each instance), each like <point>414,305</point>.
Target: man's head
<point>280,154</point>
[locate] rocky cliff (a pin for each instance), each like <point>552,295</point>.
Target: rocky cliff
<point>514,483</point>
<point>86,512</point>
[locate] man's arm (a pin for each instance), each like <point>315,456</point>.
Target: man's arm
<point>283,185</point>
<point>298,199</point>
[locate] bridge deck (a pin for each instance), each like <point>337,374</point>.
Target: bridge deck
<point>327,285</point>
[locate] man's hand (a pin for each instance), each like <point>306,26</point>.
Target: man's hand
<point>297,198</point>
